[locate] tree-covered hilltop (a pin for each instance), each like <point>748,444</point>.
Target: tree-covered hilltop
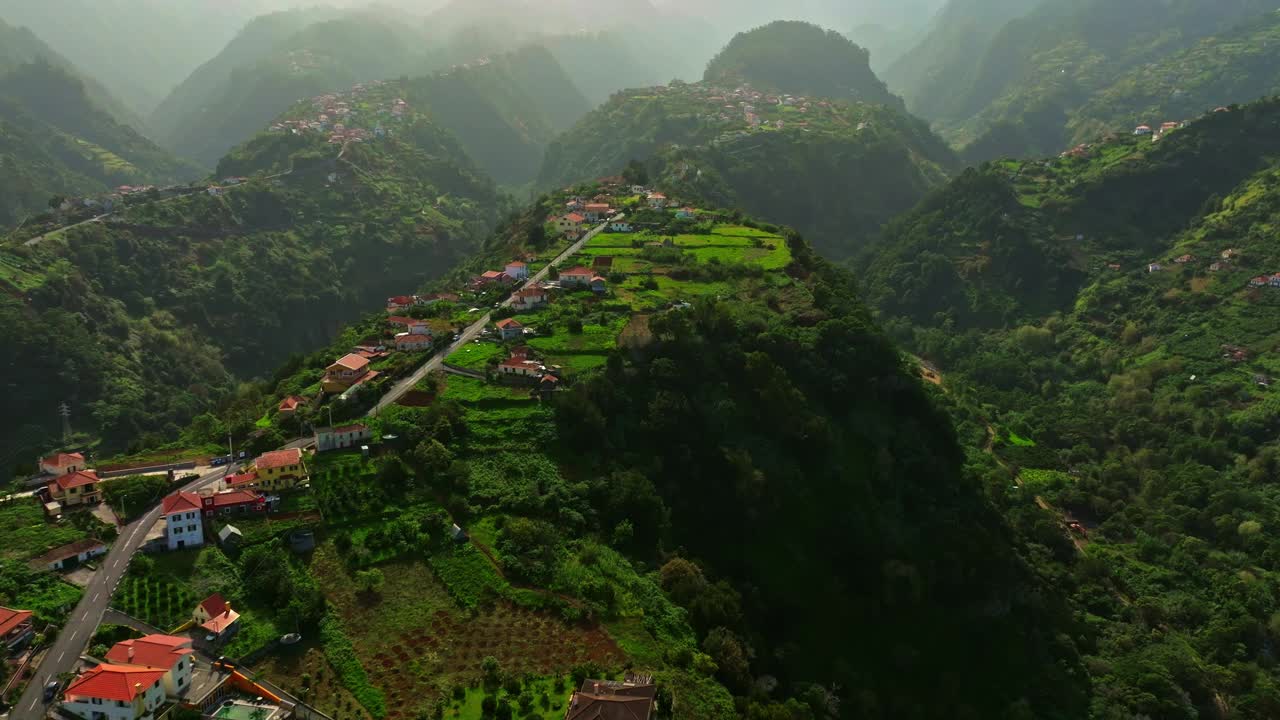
<point>836,171</point>
<point>1106,324</point>
<point>505,110</point>
<point>1040,69</point>
<point>800,58</point>
<point>740,480</point>
<point>57,141</point>
<point>147,317</point>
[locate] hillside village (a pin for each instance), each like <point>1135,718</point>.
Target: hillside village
<point>498,344</point>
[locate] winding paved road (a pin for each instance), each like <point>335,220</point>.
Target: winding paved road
<point>84,619</point>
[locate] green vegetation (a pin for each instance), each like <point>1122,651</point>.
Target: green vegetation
<point>133,496</point>
<point>25,533</point>
<point>42,593</point>
<point>153,316</point>
<point>836,172</point>
<point>799,58</point>
<point>1149,393</point>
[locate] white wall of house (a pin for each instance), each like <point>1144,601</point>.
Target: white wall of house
<point>178,680</point>
<point>100,709</point>
<point>184,530</point>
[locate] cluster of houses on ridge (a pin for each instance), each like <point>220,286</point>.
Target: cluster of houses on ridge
<point>335,115</point>
<point>1224,263</point>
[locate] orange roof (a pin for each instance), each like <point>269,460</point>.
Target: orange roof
<point>180,502</point>
<point>214,604</point>
<point>234,497</point>
<point>157,651</point>
<point>64,459</point>
<point>508,323</point>
<point>291,403</point>
<point>241,479</point>
<point>278,458</point>
<point>78,478</point>
<point>574,217</point>
<point>115,682</point>
<point>578,271</point>
<point>353,362</point>
<point>516,263</point>
<point>221,621</point>
<point>10,619</point>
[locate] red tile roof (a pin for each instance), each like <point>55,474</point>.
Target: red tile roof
<point>278,458</point>
<point>10,619</point>
<point>64,459</point>
<point>353,362</point>
<point>156,651</point>
<point>516,263</point>
<point>115,682</point>
<point>610,701</point>
<point>215,604</point>
<point>405,321</point>
<point>230,498</point>
<point>400,300</point>
<point>180,502</point>
<point>508,323</point>
<point>577,271</point>
<point>575,218</point>
<point>492,274</point>
<point>78,478</point>
<point>241,479</point>
<point>293,402</point>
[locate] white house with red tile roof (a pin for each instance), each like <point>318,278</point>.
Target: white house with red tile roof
<point>657,200</point>
<point>115,692</point>
<point>412,342</point>
<point>529,299</point>
<point>183,526</point>
<point>62,463</point>
<point>1142,130</point>
<point>16,628</point>
<point>520,367</point>
<point>69,555</point>
<point>517,270</point>
<point>75,488</point>
<point>174,655</point>
<point>595,212</point>
<point>509,329</point>
<point>215,615</point>
<point>346,436</point>
<point>576,277</point>
<point>399,302</point>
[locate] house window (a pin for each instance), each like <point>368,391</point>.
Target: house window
<point>191,528</point>
<point>95,701</point>
<point>191,516</point>
<point>119,703</point>
<point>177,530</point>
<point>181,681</point>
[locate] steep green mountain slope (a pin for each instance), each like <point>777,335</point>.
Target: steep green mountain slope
<point>505,110</point>
<point>161,306</point>
<point>835,171</point>
<point>1237,66</point>
<point>1040,68</point>
<point>1105,324</point>
<point>56,141</point>
<point>800,59</point>
<point>934,74</point>
<point>770,410</point>
<point>219,109</point>
<point>198,93</point>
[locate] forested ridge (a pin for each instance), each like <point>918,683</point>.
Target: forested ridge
<point>1096,327</point>
<point>147,318</point>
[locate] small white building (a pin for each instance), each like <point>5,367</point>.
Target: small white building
<point>346,436</point>
<point>70,555</point>
<point>116,692</point>
<point>183,527</point>
<point>412,342</point>
<point>62,464</point>
<point>517,270</point>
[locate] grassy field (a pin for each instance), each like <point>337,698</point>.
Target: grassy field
<point>25,534</point>
<point>476,355</point>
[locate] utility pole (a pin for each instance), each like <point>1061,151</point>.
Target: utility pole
<point>65,411</point>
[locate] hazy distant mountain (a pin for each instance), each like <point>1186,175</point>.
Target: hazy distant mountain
<point>801,59</point>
